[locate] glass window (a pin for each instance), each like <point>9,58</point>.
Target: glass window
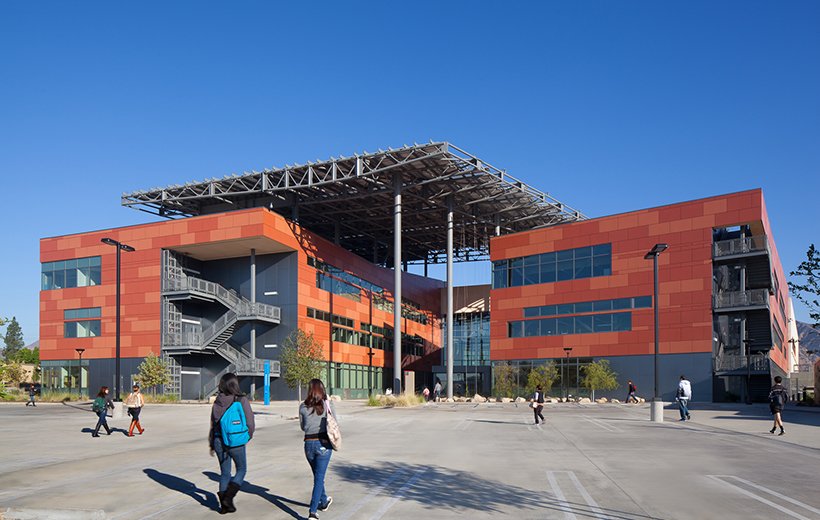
<point>515,329</point>
<point>622,321</point>
<point>548,272</point>
<point>565,308</point>
<point>547,258</point>
<point>517,277</point>
<point>566,269</point>
<point>532,328</point>
<point>516,262</point>
<point>532,312</point>
<point>583,252</point>
<point>564,255</point>
<point>548,327</point>
<point>531,276</point>
<point>602,305</point>
<point>622,303</point>
<point>565,326</point>
<point>583,324</point>
<point>642,302</point>
<point>583,268</point>
<point>602,322</point>
<point>601,266</point>
<point>500,279</point>
<point>583,307</point>
<point>499,264</point>
<point>548,310</point>
<point>532,260</point>
<point>602,249</point>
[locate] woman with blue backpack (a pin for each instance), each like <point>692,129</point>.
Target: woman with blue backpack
<point>231,429</point>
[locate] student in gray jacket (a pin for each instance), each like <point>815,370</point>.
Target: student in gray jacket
<point>313,420</point>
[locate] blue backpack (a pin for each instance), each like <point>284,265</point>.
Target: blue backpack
<point>233,426</point>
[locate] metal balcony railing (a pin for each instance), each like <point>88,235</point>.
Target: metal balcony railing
<point>753,298</point>
<point>737,246</point>
<point>759,363</point>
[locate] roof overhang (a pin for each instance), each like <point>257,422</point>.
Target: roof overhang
<point>350,200</point>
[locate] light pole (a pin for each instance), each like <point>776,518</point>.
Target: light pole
<point>657,404</point>
<point>566,379</point>
<point>80,373</point>
<point>129,249</point>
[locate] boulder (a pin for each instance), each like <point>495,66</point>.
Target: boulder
<point>478,399</point>
<point>554,400</point>
<point>601,400</point>
<point>335,398</point>
<point>520,400</point>
<point>615,401</point>
<point>506,400</point>
<point>449,400</point>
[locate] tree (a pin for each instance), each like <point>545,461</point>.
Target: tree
<point>152,372</point>
<point>809,291</point>
<point>599,376</point>
<point>11,372</point>
<point>302,359</point>
<point>543,375</point>
<point>504,376</point>
<point>13,339</point>
<point>25,355</point>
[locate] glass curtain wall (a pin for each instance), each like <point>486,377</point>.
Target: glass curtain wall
<point>510,377</point>
<point>64,376</point>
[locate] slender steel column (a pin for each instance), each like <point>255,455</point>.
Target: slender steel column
<point>253,324</point>
<point>397,373</point>
<point>450,322</point>
<point>120,247</point>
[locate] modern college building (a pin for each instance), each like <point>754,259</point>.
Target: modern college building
<point>240,262</point>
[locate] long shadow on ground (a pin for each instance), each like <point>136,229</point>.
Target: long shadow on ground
<point>278,501</point>
<point>438,488</point>
<point>185,487</point>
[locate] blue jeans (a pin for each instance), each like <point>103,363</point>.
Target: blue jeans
<point>317,453</point>
<point>684,411</point>
<point>237,454</point>
<point>102,421</point>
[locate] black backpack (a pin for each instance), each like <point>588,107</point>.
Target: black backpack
<point>776,399</point>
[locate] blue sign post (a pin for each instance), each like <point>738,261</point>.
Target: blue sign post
<point>267,382</point>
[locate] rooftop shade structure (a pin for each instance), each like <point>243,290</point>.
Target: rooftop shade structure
<point>350,201</point>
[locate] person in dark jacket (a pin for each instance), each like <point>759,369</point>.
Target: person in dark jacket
<point>229,392</point>
<point>630,394</point>
<point>777,399</point>
<point>101,405</point>
<point>313,421</point>
<point>538,404</point>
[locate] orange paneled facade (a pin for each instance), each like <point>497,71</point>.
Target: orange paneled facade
<point>216,249</point>
<point>688,321</point>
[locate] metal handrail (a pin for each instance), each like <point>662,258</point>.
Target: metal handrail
<point>741,298</point>
<point>755,362</point>
<point>213,384</point>
<point>738,246</point>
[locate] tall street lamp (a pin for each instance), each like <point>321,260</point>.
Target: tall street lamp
<point>566,379</point>
<point>129,249</point>
<point>657,404</point>
<point>80,376</point>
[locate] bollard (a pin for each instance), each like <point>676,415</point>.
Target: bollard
<point>657,411</point>
<point>117,412</point>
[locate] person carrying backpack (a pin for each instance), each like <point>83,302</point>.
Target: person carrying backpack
<point>538,404</point>
<point>135,402</point>
<point>232,428</point>
<point>777,399</point>
<point>100,407</point>
<point>313,414</point>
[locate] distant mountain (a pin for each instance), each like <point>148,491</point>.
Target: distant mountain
<point>809,340</point>
<point>37,344</point>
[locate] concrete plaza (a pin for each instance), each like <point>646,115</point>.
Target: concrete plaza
<point>446,460</point>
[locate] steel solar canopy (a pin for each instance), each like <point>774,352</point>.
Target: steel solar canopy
<point>350,201</point>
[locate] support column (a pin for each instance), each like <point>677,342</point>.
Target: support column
<point>450,322</point>
<point>397,372</point>
<point>498,224</point>
<point>253,324</point>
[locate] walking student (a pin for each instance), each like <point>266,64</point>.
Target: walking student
<point>538,404</point>
<point>31,392</point>
<point>437,390</point>
<point>135,402</point>
<point>631,393</point>
<point>683,396</point>
<point>313,420</point>
<point>777,399</point>
<point>101,405</point>
<point>232,428</point>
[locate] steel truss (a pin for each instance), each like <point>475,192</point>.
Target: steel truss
<point>349,200</point>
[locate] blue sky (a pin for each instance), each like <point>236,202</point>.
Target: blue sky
<point>608,106</point>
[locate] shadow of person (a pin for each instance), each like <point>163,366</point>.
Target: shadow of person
<point>263,492</point>
<point>185,487</point>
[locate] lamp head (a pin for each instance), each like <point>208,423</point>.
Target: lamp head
<point>109,241</point>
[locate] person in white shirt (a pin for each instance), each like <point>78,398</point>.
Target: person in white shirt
<point>683,396</point>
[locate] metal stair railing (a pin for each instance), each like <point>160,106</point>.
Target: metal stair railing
<point>213,385</point>
<point>737,246</point>
<point>750,298</point>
